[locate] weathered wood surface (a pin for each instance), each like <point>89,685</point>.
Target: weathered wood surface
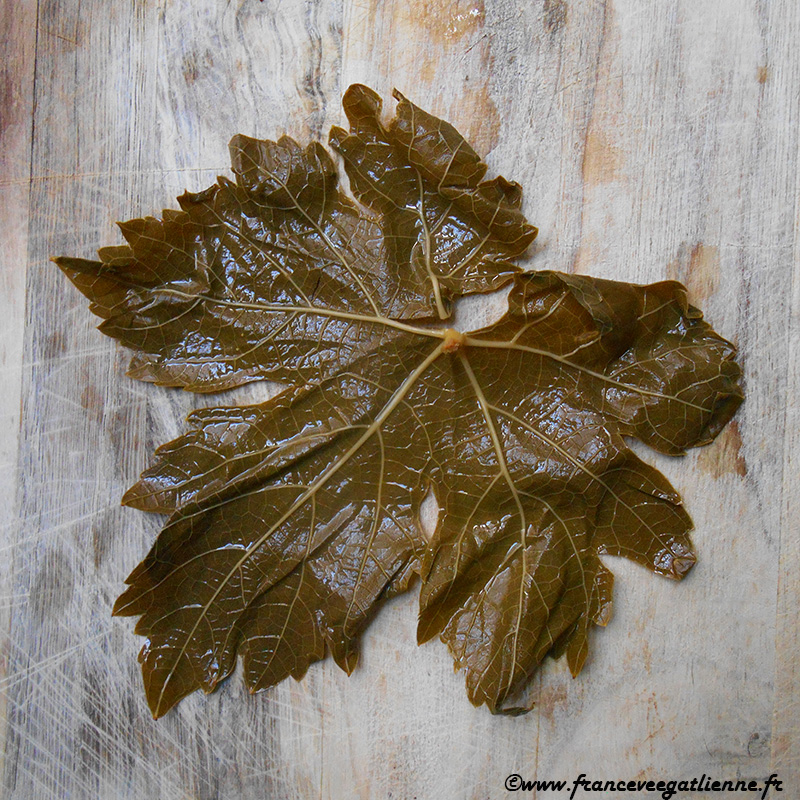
<point>652,140</point>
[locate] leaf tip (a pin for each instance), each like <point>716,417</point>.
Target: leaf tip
<point>157,711</point>
<point>682,566</point>
<point>117,609</point>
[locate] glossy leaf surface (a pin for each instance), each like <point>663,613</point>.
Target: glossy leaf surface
<point>291,522</point>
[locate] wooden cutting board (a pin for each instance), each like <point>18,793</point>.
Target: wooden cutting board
<point>652,140</point>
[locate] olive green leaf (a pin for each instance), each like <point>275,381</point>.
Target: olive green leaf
<point>291,522</point>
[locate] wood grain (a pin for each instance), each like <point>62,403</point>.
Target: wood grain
<point>18,34</point>
<point>786,733</point>
<point>652,141</point>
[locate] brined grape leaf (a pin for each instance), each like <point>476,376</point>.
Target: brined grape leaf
<point>292,521</point>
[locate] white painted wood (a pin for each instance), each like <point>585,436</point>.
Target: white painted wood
<point>653,141</point>
<point>18,34</point>
<point>786,731</point>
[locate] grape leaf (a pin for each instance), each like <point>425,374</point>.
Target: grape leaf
<point>291,522</point>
